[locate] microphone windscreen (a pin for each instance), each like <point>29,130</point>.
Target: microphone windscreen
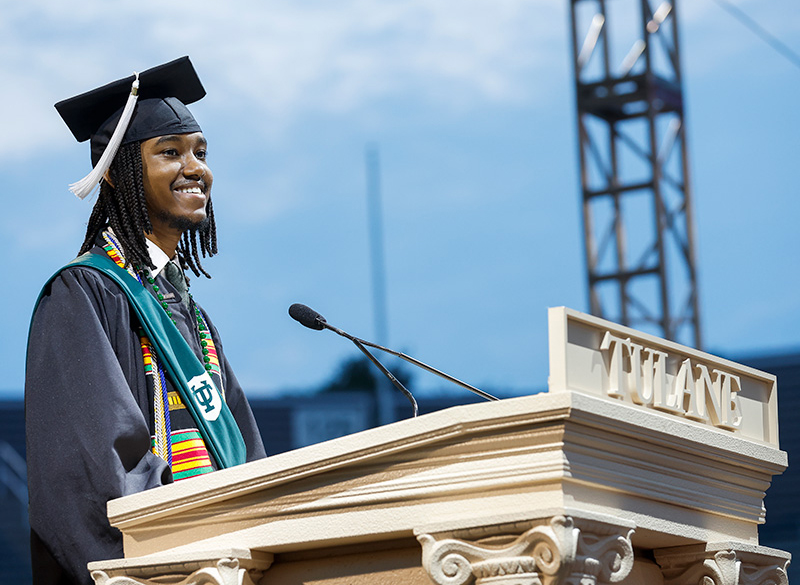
<point>306,316</point>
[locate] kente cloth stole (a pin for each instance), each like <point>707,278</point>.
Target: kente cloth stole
<point>197,390</point>
<point>184,450</point>
<point>186,462</point>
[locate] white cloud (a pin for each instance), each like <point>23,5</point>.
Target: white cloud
<point>316,56</point>
<point>289,58</point>
<point>286,59</point>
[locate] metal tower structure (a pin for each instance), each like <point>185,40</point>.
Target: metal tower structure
<point>385,391</point>
<point>637,208</point>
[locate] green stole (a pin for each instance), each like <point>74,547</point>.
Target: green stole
<point>196,388</point>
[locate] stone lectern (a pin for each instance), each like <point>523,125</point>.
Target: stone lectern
<point>646,463</point>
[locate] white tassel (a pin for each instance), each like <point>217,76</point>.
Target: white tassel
<point>89,183</point>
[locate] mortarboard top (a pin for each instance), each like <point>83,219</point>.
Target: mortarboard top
<point>92,114</point>
<point>157,108</point>
<point>86,113</point>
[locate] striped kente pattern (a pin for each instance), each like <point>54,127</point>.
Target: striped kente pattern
<point>161,419</point>
<point>189,455</point>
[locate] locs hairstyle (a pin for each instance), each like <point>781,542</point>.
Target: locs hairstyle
<point>123,208</point>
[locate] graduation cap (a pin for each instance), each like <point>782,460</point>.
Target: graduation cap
<point>145,105</point>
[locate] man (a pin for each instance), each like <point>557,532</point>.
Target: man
<point>127,387</point>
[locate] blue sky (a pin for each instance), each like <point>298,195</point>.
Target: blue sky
<point>472,105</point>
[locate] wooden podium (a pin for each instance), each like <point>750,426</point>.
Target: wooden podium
<point>645,463</point>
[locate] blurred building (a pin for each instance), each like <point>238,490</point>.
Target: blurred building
<point>14,531</point>
<point>782,529</point>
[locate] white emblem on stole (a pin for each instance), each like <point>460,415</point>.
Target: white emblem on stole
<point>206,396</point>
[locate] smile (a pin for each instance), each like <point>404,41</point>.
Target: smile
<point>190,190</point>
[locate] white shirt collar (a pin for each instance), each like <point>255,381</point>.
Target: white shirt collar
<point>158,257</point>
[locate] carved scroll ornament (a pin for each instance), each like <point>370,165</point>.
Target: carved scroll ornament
<point>557,553</point>
<point>724,567</point>
<point>221,572</point>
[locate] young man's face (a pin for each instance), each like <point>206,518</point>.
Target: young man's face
<point>177,181</point>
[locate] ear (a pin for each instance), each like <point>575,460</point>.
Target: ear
<point>107,177</point>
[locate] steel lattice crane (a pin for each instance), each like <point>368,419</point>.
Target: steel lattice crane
<point>637,206</point>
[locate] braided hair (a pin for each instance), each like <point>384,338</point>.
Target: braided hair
<point>121,205</point>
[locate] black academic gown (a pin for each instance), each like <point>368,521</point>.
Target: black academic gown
<point>89,419</point>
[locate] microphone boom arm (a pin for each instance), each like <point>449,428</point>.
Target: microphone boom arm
<point>389,375</point>
<point>360,343</point>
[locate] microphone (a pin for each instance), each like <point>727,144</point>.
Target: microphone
<point>307,316</point>
<point>313,320</point>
